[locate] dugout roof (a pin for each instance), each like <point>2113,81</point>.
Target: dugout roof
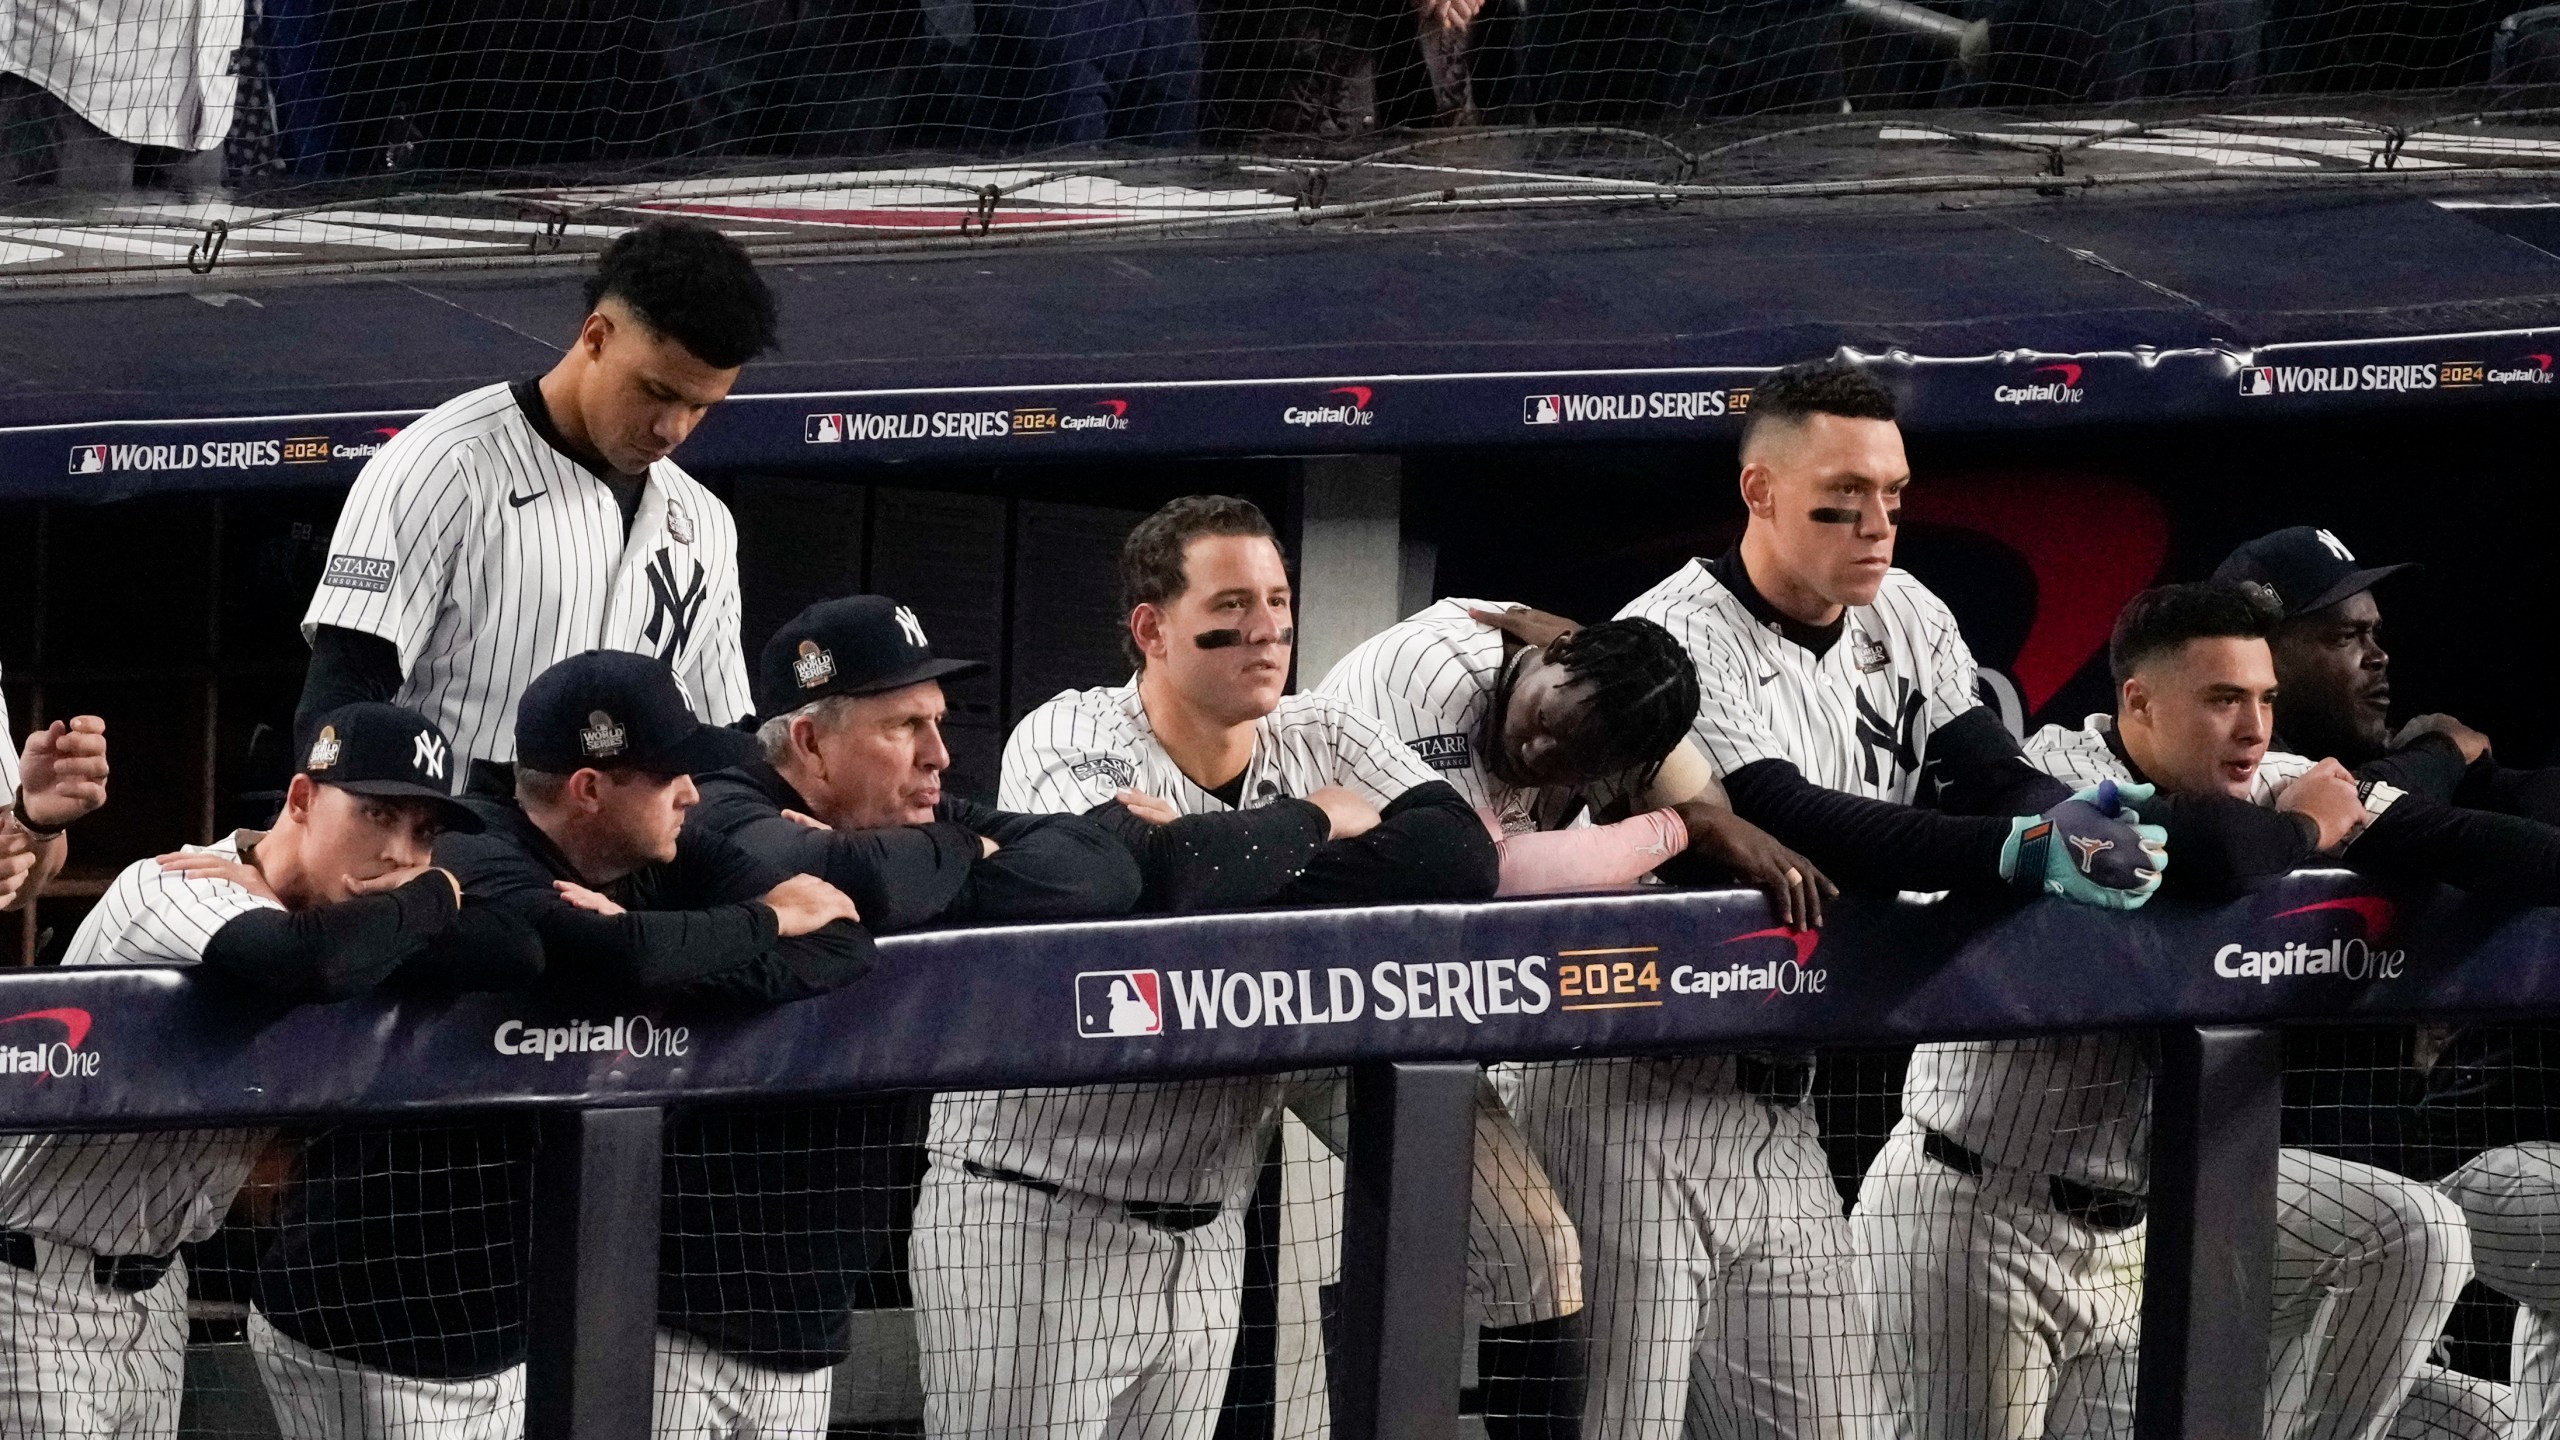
<point>1520,328</point>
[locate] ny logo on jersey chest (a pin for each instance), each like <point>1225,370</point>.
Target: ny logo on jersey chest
<point>1891,745</point>
<point>673,606</point>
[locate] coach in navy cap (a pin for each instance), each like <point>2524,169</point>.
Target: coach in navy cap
<point>2330,665</point>
<point>848,788</point>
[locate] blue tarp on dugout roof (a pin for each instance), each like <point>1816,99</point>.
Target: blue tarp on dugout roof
<point>1645,325</point>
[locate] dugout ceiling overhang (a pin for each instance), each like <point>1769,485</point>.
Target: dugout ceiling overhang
<point>1644,324</point>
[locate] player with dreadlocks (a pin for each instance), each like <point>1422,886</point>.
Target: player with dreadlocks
<point>1538,723</point>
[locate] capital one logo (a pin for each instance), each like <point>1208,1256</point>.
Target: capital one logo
<point>49,1059</point>
<point>2063,389</point>
<point>2359,957</point>
<point>1787,975</point>
<point>1114,1003</point>
<point>1354,409</point>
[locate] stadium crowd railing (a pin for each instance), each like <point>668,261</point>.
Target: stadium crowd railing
<point>1412,997</point>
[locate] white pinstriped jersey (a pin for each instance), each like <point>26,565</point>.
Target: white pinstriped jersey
<point>2075,1105</point>
<point>1856,718</point>
<point>485,556</point>
<point>1430,678</point>
<point>1193,1141</point>
<point>138,1194</point>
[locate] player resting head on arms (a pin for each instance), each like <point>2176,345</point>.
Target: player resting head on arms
<point>850,786</point>
<point>1537,721</point>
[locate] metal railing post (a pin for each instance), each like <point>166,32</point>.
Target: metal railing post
<point>593,1281</point>
<point>1404,1251</point>
<point>2208,1269</point>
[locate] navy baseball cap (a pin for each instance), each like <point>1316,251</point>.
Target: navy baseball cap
<point>371,748</point>
<point>2308,568</point>
<point>857,645</point>
<point>614,710</point>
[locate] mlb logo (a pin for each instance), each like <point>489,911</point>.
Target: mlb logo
<point>825,430</point>
<point>2258,380</point>
<point>1542,410</point>
<point>1112,1003</point>
<point>88,459</point>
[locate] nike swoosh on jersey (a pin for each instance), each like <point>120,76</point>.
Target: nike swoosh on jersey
<point>521,501</point>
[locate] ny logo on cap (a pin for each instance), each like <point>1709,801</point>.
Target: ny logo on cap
<point>602,738</point>
<point>914,627</point>
<point>427,755</point>
<point>815,667</point>
<point>2337,547</point>
<point>324,750</point>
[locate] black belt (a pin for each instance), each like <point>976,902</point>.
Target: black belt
<point>131,1274</point>
<point>1161,1214</point>
<point>2091,1206</point>
<point>1781,1080</point>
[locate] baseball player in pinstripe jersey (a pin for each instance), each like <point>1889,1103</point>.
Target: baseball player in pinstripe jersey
<point>62,777</point>
<point>1077,1252</point>
<point>336,897</point>
<point>1535,736</point>
<point>518,524</point>
<point>2002,1226</point>
<point>1718,1261</point>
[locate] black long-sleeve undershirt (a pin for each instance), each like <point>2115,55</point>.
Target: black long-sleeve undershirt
<point>1220,861</point>
<point>1428,844</point>
<point>346,666</point>
<point>1974,766</point>
<point>2224,845</point>
<point>413,936</point>
<point>2501,857</point>
<point>1863,842</point>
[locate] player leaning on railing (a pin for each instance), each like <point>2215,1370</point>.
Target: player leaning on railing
<point>1079,1253</point>
<point>777,1218</point>
<point>336,897</point>
<point>373,1321</point>
<point>2003,1223</point>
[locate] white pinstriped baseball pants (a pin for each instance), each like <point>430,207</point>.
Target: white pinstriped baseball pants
<point>320,1396</point>
<point>2000,1318</point>
<point>84,1361</point>
<point>1524,1258</point>
<point>1722,1290</point>
<point>1057,1317</point>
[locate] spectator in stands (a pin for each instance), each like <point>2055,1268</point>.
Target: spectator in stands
<point>779,1220</point>
<point>61,777</point>
<point>1078,1253</point>
<point>336,897</point>
<point>2001,1227</point>
<point>1081,72</point>
<point>394,1295</point>
<point>87,90</point>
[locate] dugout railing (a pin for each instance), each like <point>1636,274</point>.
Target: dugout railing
<point>1413,998</point>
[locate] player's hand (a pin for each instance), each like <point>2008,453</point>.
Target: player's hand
<point>2470,742</point>
<point>987,847</point>
<point>62,774</point>
<point>805,902</point>
<point>1529,627</point>
<point>1795,887</point>
<point>1446,14</point>
<point>806,822</point>
<point>1147,807</point>
<point>2327,793</point>
<point>2092,848</point>
<point>390,880</point>
<point>218,867</point>
<point>1346,812</point>
<point>586,899</point>
<point>17,862</point>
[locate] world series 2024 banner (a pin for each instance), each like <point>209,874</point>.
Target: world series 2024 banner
<point>1316,415</point>
<point>1661,973</point>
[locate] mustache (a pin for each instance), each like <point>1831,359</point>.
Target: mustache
<point>1221,639</point>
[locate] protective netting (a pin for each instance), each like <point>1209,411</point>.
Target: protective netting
<point>1949,1240</point>
<point>148,135</point>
